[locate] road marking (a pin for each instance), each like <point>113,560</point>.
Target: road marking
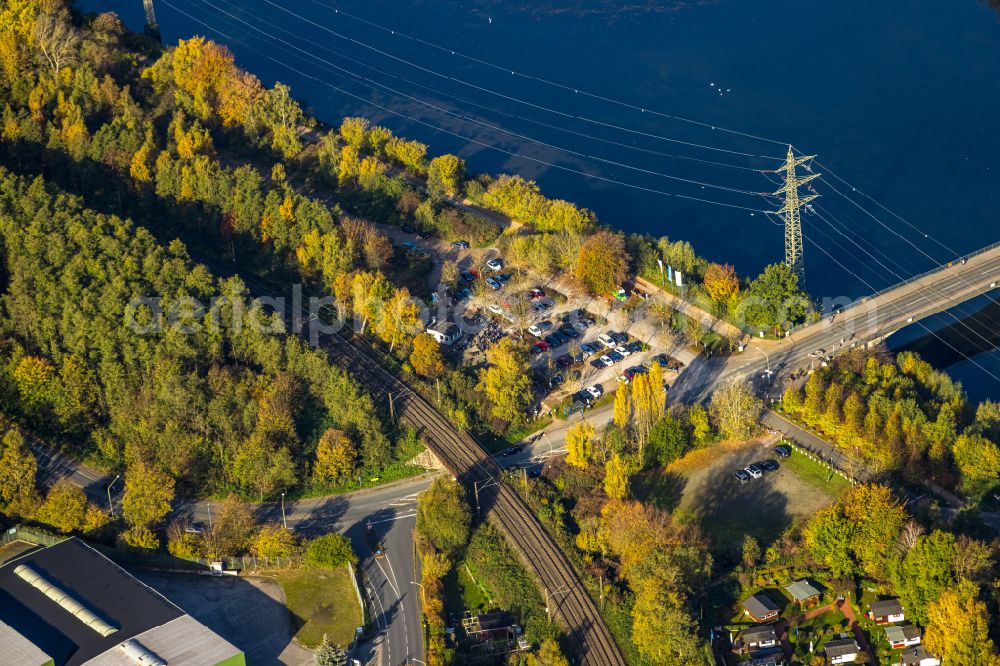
<point>394,518</point>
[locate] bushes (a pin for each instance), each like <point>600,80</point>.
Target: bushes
<point>330,550</point>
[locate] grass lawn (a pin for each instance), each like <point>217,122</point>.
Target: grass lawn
<point>819,630</point>
<point>816,475</point>
<point>321,601</point>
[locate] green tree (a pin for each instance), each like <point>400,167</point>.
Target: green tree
<point>924,573</point>
<point>330,551</point>
<point>328,654</point>
<point>978,461</point>
<point>751,551</point>
<point>667,440</point>
<point>148,494</point>
<point>774,299</point>
<point>443,515</point>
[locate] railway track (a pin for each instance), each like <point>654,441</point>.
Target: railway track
<point>565,593</point>
<point>566,597</point>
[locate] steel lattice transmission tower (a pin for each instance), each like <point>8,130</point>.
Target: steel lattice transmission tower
<point>791,211</point>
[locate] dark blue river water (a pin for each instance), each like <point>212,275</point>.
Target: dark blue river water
<point>898,99</point>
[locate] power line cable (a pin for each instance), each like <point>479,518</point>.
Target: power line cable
<point>372,83</point>
<point>508,114</point>
<point>456,134</point>
<point>574,89</point>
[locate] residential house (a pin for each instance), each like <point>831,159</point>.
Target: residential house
<point>902,636</point>
<point>772,656</point>
<point>842,650</point>
<point>446,333</point>
<point>916,656</point>
<point>888,611</point>
<point>803,593</point>
<point>759,637</point>
<point>760,609</point>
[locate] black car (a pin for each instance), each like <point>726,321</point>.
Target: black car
<point>660,359</point>
<point>741,476</point>
<point>514,449</point>
<point>583,396</point>
<point>597,363</point>
<point>552,340</point>
<point>423,234</point>
<point>769,465</point>
<point>570,332</point>
<point>571,315</point>
<point>782,450</point>
<point>564,361</point>
<point>562,339</point>
<point>407,228</point>
<point>634,347</point>
<point>620,338</point>
<point>614,356</point>
<point>555,381</point>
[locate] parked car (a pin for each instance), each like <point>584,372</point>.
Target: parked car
<point>589,349</point>
<point>539,347</point>
<point>615,356</point>
<point>572,315</point>
<point>634,347</point>
<point>782,450</point>
<point>564,361</point>
<point>620,338</point>
<point>423,234</point>
<point>625,353</point>
<point>598,363</point>
<point>583,397</point>
<point>741,476</point>
<point>538,330</point>
<point>543,305</point>
<point>466,276</point>
<point>492,283</point>
<point>635,370</point>
<point>407,229</point>
<point>580,325</point>
<point>754,471</point>
<point>504,278</point>
<point>408,245</point>
<point>555,381</point>
<point>596,391</point>
<point>607,339</point>
<point>495,264</point>
<point>624,379</point>
<point>558,335</point>
<point>494,308</point>
<point>553,341</point>
<point>536,293</point>
<point>769,465</point>
<point>570,332</point>
<point>606,361</point>
<point>461,245</point>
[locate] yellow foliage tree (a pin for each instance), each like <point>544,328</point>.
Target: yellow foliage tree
<point>617,472</point>
<point>336,456</point>
<point>426,356</point>
<point>64,508</point>
<point>580,444</point>
<point>958,628</point>
<point>621,410</point>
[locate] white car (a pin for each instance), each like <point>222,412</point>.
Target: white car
<point>580,325</point>
<point>596,390</point>
<point>623,379</point>
<point>754,471</point>
<point>606,340</point>
<point>538,330</point>
<point>623,351</point>
<point>494,308</point>
<point>607,361</point>
<point>495,264</point>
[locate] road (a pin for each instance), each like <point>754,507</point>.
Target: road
<point>857,324</point>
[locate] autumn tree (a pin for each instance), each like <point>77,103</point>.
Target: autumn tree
<point>232,528</point>
<point>56,38</point>
<point>548,654</point>
<point>506,382</point>
<point>978,461</point>
<point>602,263</point>
<point>735,409</point>
<point>721,283</point>
<point>426,356</point>
<point>445,174</point>
<point>580,444</point>
<point>336,456</point>
<point>622,406</point>
<point>618,471</point>
<point>147,498</point>
<point>443,515</point>
<point>18,494</point>
<point>958,628</point>
<point>330,551</point>
<point>774,298</point>
<point>273,540</point>
<point>64,508</point>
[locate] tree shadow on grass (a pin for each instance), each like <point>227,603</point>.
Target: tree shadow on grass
<point>661,488</point>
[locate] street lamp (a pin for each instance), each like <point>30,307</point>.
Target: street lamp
<point>283,520</point>
<point>548,441</point>
<point>111,505</point>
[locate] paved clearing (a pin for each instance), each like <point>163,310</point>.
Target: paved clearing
<point>248,612</point>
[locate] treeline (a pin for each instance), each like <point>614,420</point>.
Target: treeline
<point>903,415</point>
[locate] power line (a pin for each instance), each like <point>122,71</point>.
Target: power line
<point>518,100</point>
<point>508,114</point>
<point>497,128</point>
<point>456,134</point>
<point>576,90</point>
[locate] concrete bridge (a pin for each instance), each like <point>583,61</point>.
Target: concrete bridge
<point>863,322</point>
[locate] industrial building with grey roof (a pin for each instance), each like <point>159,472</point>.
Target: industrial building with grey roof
<point>69,605</point>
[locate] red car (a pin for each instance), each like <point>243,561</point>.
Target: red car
<point>536,293</point>
<point>540,346</point>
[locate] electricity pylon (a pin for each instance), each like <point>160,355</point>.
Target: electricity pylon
<point>791,213</point>
<point>152,27</point>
